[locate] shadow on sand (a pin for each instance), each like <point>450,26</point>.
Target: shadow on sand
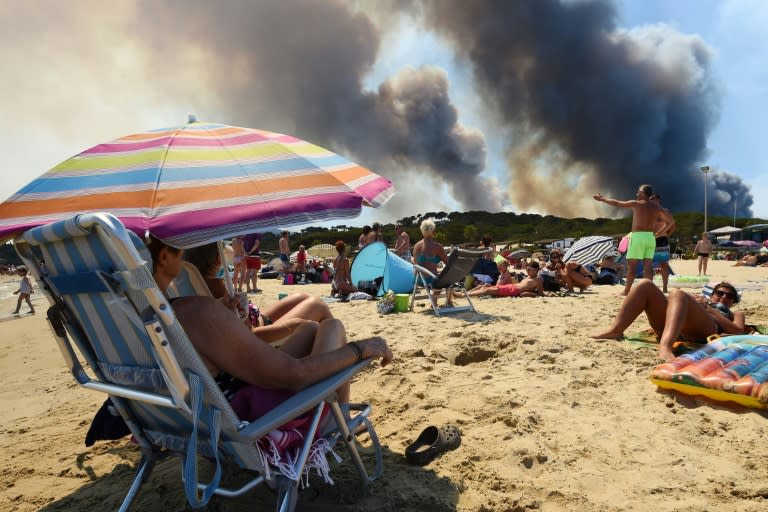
<point>402,487</point>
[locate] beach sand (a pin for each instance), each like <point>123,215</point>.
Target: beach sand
<point>551,419</point>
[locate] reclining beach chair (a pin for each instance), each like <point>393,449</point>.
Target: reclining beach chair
<point>189,282</point>
<point>105,303</point>
<point>460,262</point>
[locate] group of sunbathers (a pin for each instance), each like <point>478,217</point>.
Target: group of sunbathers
<point>535,283</point>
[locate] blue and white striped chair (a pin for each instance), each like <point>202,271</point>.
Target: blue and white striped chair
<point>106,305</point>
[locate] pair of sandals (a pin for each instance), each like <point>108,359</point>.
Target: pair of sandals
<point>432,442</point>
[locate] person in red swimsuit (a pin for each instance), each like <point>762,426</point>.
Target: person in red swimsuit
<point>531,286</point>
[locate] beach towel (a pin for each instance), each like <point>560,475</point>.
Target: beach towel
<point>647,339</point>
<point>281,446</point>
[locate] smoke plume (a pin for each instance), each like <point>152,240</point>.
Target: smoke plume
<point>298,67</point>
<point>590,108</point>
<point>594,108</point>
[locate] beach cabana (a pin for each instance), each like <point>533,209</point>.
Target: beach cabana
<point>725,230</point>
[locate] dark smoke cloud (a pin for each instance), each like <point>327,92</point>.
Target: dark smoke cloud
<point>729,191</point>
<point>298,67</point>
<point>607,109</point>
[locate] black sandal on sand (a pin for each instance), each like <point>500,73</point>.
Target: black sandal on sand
<point>432,442</point>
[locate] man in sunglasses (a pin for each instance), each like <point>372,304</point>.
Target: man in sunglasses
<point>681,315</point>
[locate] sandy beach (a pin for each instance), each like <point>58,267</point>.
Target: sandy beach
<point>551,420</point>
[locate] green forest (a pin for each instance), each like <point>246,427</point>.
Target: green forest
<point>459,228</point>
<point>463,228</point>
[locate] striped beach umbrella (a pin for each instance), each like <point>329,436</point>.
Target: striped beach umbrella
<point>589,250</point>
<point>199,183</point>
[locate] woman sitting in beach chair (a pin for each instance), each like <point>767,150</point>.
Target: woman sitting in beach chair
<point>682,314</point>
<point>311,351</point>
<point>427,252</point>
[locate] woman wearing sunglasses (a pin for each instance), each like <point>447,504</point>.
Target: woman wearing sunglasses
<point>682,314</point>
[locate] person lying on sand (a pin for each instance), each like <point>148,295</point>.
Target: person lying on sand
<point>750,260</point>
<point>682,314</point>
<point>531,286</point>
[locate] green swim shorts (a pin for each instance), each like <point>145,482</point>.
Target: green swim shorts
<point>642,245</point>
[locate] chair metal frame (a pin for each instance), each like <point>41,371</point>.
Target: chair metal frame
<point>126,284</point>
<point>460,262</point>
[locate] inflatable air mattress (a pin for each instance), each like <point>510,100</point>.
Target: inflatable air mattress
<point>730,369</point>
<point>677,281</point>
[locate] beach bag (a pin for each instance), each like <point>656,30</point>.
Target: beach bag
<point>624,244</point>
<point>386,303</point>
<point>370,287</point>
<point>607,276</point>
<point>550,284</point>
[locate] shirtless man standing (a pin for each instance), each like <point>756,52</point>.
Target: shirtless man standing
<point>665,226</point>
<point>403,243</point>
<point>241,272</point>
<point>285,251</point>
<point>642,243</point>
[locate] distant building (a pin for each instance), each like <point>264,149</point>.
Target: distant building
<point>562,244</point>
<point>756,232</point>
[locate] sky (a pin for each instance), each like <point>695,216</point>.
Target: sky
<point>530,108</point>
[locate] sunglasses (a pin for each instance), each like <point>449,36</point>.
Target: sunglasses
<point>721,293</point>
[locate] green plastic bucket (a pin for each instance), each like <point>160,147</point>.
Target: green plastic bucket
<point>401,302</point>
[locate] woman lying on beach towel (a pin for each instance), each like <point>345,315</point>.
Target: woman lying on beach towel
<point>682,314</point>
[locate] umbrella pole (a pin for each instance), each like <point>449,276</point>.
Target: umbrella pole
<point>227,278</point>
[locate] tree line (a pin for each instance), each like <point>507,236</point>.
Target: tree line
<point>458,228</point>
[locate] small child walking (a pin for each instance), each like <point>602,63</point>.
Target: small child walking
<point>24,291</point>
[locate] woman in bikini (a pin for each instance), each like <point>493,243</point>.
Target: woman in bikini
<point>342,281</point>
<point>682,314</point>
<point>575,274</point>
<point>428,253</point>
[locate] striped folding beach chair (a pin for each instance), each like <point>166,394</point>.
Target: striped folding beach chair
<point>460,262</point>
<point>106,307</point>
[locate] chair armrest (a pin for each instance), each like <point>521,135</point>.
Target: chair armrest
<point>421,270</point>
<point>300,402</point>
<point>474,252</point>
